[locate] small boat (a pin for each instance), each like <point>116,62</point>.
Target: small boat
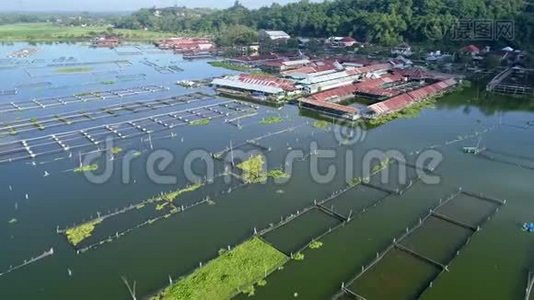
<point>528,227</point>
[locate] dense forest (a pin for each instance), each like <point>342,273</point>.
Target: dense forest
<point>381,21</point>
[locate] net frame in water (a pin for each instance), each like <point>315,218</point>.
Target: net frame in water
<point>396,244</point>
<point>67,141</point>
<point>44,103</point>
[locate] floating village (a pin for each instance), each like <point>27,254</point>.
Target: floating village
<point>103,131</point>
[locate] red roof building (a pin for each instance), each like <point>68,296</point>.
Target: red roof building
<point>471,49</point>
<point>401,101</point>
<point>186,44</point>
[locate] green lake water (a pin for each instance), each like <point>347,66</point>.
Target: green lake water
<point>493,265</point>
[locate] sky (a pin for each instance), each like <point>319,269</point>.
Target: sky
<point>121,5</point>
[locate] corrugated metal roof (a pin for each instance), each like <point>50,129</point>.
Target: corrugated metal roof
<point>327,77</point>
<point>329,105</point>
<point>401,101</point>
<point>285,84</point>
<point>335,93</point>
<point>222,82</point>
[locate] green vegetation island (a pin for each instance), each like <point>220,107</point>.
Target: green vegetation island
<point>233,272</point>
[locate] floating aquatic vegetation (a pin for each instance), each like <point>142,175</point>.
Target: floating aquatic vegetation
<point>77,234</point>
<point>37,124</point>
<point>409,112</point>
<point>116,150</point>
<point>316,244</point>
<point>12,221</point>
<point>253,169</point>
<point>86,168</point>
<point>200,122</point>
<point>161,206</point>
<point>381,166</point>
<point>277,173</point>
<point>298,256</point>
<point>321,124</point>
<point>271,120</point>
<point>171,196</point>
<point>262,282</point>
<point>355,181</point>
<point>74,70</point>
<point>108,82</point>
<point>232,272</point>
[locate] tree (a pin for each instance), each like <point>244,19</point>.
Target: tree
<point>491,61</point>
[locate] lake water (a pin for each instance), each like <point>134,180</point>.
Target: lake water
<point>494,265</point>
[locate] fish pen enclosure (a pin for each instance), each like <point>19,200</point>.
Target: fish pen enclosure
<point>293,236</point>
<point>105,227</point>
<point>357,199</point>
<point>517,160</point>
<point>468,209</point>
<point>97,136</point>
<point>395,179</point>
<point>297,231</point>
<point>424,251</point>
<point>399,275</point>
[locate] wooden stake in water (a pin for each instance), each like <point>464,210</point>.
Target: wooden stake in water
<point>131,290</point>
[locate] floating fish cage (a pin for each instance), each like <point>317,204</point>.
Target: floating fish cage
<point>67,119</point>
<point>96,136</point>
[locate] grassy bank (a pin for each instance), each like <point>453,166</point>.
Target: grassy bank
<point>45,32</point>
<point>225,276</point>
<point>229,66</point>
